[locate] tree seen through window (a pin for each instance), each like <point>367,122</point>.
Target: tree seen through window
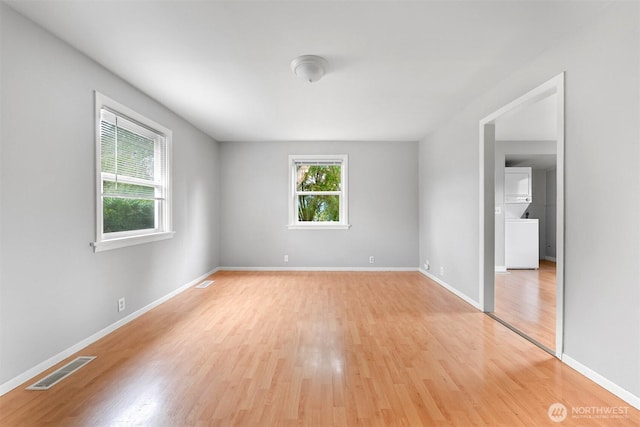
<point>320,181</point>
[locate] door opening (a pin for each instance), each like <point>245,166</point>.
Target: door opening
<point>505,222</point>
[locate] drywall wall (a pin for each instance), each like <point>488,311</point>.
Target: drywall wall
<point>537,208</point>
<point>383,207</point>
<point>55,291</point>
<point>550,208</point>
<point>3,327</point>
<point>533,122</point>
<point>602,166</point>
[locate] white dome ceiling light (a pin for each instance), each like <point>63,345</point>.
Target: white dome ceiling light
<point>310,68</point>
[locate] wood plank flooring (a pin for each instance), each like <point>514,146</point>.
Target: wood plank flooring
<point>314,349</point>
<point>526,299</point>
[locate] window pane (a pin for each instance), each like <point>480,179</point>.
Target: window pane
<point>126,153</point>
<point>127,214</point>
<point>319,208</point>
<point>318,177</point>
<point>111,188</point>
<point>135,155</point>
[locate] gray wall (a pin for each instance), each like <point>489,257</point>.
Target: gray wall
<point>54,291</point>
<point>551,209</point>
<point>537,208</point>
<point>602,295</point>
<point>383,207</point>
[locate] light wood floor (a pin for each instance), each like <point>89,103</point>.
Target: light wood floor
<point>313,348</point>
<point>526,299</point>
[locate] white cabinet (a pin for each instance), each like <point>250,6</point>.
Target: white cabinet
<point>517,185</point>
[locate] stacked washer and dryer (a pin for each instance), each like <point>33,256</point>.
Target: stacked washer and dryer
<point>521,233</point>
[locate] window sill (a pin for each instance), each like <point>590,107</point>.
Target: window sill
<point>319,227</point>
<point>122,242</point>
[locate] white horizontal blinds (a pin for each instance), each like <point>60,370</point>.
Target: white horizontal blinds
<point>132,162</point>
<point>319,162</point>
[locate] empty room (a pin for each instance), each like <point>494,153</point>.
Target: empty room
<point>322,213</point>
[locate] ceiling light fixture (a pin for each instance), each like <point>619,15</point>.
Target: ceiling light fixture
<point>310,68</point>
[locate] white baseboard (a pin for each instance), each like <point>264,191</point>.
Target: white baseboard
<point>605,383</point>
<point>318,269</point>
<point>43,366</point>
<point>451,289</point>
<point>550,258</point>
<point>501,269</point>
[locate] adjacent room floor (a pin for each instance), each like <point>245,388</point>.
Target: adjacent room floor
<point>526,299</point>
<point>314,348</point>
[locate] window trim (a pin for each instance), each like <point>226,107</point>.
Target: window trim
<point>164,230</point>
<point>294,223</point>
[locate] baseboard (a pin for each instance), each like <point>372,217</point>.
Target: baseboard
<point>318,269</point>
<point>550,258</point>
<point>52,361</point>
<point>451,289</point>
<point>501,269</point>
<point>603,382</point>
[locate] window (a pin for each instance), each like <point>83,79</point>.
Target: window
<point>318,191</point>
<point>133,187</point>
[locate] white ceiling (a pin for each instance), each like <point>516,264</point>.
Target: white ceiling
<point>397,68</point>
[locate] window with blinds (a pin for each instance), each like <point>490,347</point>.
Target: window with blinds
<point>317,195</point>
<point>133,168</point>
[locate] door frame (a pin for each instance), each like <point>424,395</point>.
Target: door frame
<point>552,86</point>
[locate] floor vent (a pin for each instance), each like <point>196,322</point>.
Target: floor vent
<point>205,284</point>
<point>57,376</point>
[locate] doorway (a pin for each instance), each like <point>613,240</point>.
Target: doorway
<point>527,299</point>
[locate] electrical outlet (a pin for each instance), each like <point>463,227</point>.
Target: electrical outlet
<point>442,271</point>
<point>372,259</point>
<point>427,265</point>
<point>286,258</point>
<point>121,305</point>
